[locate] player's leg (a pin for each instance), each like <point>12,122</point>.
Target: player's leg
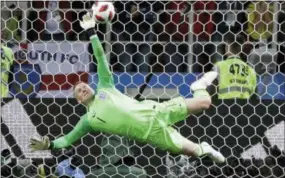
<point>179,108</point>
<point>171,140</point>
<point>190,148</point>
<point>201,100</point>
<point>196,105</point>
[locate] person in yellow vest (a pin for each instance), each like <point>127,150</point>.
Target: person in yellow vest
<point>11,31</point>
<point>7,60</point>
<point>260,20</point>
<point>11,23</point>
<point>236,78</point>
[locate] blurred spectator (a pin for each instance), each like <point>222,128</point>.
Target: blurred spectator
<point>229,17</point>
<point>11,24</point>
<point>54,27</point>
<point>263,54</point>
<point>236,79</point>
<point>133,33</point>
<point>7,60</point>
<point>54,20</point>
<point>260,20</point>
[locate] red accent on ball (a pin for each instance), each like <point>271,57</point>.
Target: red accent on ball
<point>103,8</point>
<point>99,18</point>
<point>111,15</point>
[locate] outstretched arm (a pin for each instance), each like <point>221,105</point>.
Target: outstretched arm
<point>104,74</point>
<point>81,128</point>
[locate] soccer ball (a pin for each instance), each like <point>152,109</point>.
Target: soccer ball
<point>103,11</point>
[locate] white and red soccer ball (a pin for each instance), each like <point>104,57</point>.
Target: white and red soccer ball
<point>103,11</point>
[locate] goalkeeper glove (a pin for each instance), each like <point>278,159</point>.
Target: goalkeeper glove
<point>40,144</point>
<point>88,24</point>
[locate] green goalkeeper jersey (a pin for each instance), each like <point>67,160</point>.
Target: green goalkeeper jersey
<point>111,111</point>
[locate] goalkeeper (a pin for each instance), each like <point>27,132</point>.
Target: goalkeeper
<point>150,122</point>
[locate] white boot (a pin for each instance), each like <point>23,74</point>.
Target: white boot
<point>212,153</point>
<point>205,81</point>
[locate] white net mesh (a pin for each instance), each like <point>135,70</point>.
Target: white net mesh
<point>156,49</point>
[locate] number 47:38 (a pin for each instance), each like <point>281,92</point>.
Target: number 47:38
<point>238,69</point>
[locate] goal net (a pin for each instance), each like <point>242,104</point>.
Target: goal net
<point>155,49</point>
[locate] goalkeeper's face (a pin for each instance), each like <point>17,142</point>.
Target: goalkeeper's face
<point>83,93</point>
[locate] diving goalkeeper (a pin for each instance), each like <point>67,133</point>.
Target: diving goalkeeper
<point>112,112</point>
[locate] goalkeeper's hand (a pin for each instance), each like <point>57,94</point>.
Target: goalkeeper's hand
<point>87,22</point>
<point>40,144</point>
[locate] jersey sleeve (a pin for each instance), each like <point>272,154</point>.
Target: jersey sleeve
<point>81,128</point>
<point>104,74</point>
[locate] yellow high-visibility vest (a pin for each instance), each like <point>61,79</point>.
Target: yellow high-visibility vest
<point>236,79</point>
<point>265,31</point>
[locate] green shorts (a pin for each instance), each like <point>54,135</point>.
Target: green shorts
<point>162,135</point>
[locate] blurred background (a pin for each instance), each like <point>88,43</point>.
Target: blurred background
<point>146,36</point>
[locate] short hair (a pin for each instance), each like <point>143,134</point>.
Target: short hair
<point>74,86</point>
<point>235,42</point>
<point>77,83</point>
